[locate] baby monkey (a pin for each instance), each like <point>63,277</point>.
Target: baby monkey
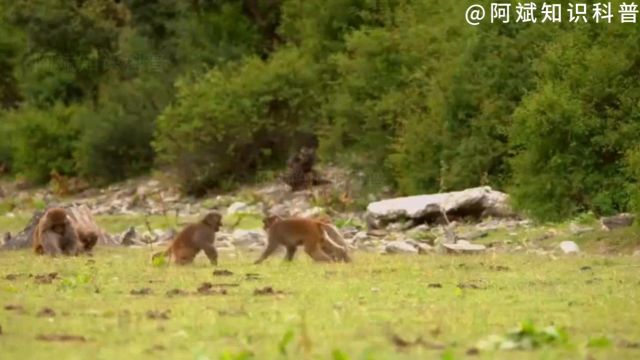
<point>193,238</point>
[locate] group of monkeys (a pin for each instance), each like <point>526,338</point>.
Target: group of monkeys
<point>57,234</point>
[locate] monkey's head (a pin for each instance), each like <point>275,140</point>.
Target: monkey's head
<point>56,220</point>
<point>268,221</point>
<point>213,220</point>
<point>88,239</point>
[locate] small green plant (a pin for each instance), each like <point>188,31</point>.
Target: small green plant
<point>285,341</point>
<point>160,261</point>
<point>525,337</point>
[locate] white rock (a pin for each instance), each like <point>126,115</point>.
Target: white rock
<point>577,229</point>
<point>237,207</point>
<point>248,238</point>
<point>464,246</point>
<point>569,247</point>
<point>400,247</point>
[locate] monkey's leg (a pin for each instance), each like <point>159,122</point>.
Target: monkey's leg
<point>271,247</point>
<point>69,241</point>
<point>316,253</point>
<point>51,243</point>
<point>211,253</point>
<point>291,251</point>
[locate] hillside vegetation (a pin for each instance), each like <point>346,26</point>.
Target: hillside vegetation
<point>402,90</point>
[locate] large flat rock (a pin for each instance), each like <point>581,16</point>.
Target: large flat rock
<point>479,201</point>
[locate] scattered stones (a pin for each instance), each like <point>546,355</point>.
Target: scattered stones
<point>247,238</point>
<point>400,247</point>
<point>569,247</point>
<point>617,221</point>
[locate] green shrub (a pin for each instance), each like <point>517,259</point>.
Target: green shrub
<point>44,140</point>
<point>116,139</point>
<point>236,121</point>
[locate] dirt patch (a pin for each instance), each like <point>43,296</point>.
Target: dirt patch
<point>401,343</point>
<point>232,313</point>
<point>471,285</point>
<point>499,268</point>
<point>222,272</point>
<point>267,290</point>
<point>46,312</point>
<point>207,288</point>
<point>176,292</point>
<point>252,276</point>
<point>14,277</point>
<point>626,344</point>
<point>17,308</point>
<point>45,278</point>
<point>158,315</point>
<point>140,292</point>
<point>61,338</point>
<point>156,348</point>
<point>435,286</point>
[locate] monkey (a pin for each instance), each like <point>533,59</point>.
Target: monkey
<point>318,238</point>
<point>54,234</point>
<point>87,239</point>
<point>193,238</point>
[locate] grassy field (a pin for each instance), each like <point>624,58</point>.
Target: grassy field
<point>116,305</point>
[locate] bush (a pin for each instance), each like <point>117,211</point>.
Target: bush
<point>43,141</point>
<point>116,139</point>
<point>238,120</point>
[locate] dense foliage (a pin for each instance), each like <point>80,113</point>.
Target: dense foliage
<point>405,91</point>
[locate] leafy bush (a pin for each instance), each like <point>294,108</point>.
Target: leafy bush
<point>237,120</point>
<point>116,139</point>
<point>44,140</point>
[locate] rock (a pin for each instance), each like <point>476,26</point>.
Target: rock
<point>577,229</point>
<point>463,246</point>
<point>479,202</point>
<point>129,237</point>
<point>313,212</point>
<point>636,253</point>
<point>249,238</point>
<point>377,233</point>
<point>473,234</point>
<point>617,221</point>
<point>237,207</point>
<point>569,247</point>
<point>400,247</point>
<point>421,247</point>
<point>165,236</point>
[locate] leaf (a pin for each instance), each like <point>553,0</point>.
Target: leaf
<point>284,342</point>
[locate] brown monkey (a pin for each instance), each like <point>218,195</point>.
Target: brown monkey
<point>320,239</point>
<point>193,238</point>
<point>87,239</point>
<point>54,234</point>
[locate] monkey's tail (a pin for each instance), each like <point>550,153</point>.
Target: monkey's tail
<point>334,236</point>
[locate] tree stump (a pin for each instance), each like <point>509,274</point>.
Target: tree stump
<point>80,217</point>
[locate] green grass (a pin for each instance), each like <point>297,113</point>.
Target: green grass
<point>334,311</point>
